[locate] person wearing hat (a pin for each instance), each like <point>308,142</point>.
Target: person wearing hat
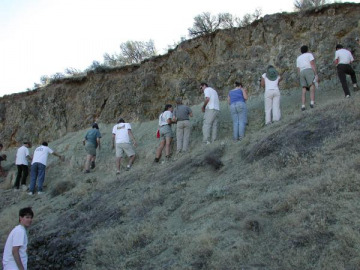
<point>236,99</point>
<point>305,64</point>
<point>121,137</point>
<point>181,117</point>
<point>91,142</point>
<point>270,80</point>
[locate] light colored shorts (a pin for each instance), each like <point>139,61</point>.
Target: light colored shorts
<point>124,147</point>
<point>166,132</point>
<point>307,77</point>
<point>90,149</point>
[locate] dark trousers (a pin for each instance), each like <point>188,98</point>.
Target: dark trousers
<point>22,173</point>
<point>343,70</point>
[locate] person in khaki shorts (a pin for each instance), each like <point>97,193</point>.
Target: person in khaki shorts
<point>121,136</point>
<point>305,64</point>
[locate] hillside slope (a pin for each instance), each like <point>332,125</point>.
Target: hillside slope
<point>286,197</point>
<point>138,92</point>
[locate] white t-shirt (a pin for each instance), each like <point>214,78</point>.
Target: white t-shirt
<point>21,155</point>
<point>303,61</point>
<point>121,132</point>
<point>344,56</point>
<point>271,85</point>
<point>164,117</point>
<point>17,238</point>
<point>41,154</point>
<point>213,103</point>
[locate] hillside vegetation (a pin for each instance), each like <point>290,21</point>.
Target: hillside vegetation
<point>286,197</point>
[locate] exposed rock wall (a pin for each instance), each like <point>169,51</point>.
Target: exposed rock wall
<point>139,92</point>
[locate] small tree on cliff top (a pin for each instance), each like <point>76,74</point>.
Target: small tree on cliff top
<point>206,23</point>
<point>306,4</point>
<point>131,52</point>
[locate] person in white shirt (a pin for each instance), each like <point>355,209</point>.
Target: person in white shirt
<point>38,166</point>
<point>15,255</point>
<point>121,137</point>
<point>21,162</point>
<point>211,110</point>
<point>305,64</point>
<point>166,133</point>
<point>343,59</point>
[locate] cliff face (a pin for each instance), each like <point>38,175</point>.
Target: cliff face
<point>139,92</point>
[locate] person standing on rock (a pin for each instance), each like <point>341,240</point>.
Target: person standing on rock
<point>22,164</point>
<point>15,251</point>
<point>211,110</point>
<point>121,134</point>
<point>166,133</point>
<point>182,114</point>
<point>91,142</point>
<point>38,167</point>
<point>305,64</point>
<point>270,80</point>
<point>237,101</point>
<point>343,59</point>
<point>2,158</point>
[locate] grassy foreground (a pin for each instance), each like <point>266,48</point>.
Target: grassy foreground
<point>286,197</point>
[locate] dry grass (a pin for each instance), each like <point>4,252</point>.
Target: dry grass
<point>286,197</point>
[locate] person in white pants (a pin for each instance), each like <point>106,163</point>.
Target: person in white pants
<point>270,80</point>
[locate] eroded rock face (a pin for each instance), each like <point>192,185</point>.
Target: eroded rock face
<point>139,92</point>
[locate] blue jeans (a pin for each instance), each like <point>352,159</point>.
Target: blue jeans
<point>238,112</point>
<point>37,171</point>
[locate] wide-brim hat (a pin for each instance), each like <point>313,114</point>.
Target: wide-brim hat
<point>271,73</point>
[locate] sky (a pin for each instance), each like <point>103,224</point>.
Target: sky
<point>43,37</point>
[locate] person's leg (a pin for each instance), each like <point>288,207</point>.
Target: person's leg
<point>242,120</point>
<point>131,160</point>
<point>303,97</point>
<point>167,146</point>
<point>25,172</point>
<point>342,78</point>
<point>118,163</point>
<point>186,139</point>
<point>215,124</point>
<point>352,74</point>
<point>179,135</point>
<point>276,106</point>
<point>235,120</point>
<point>33,176</point>
<point>312,94</point>
<point>206,125</point>
<point>41,175</point>
<point>18,176</point>
<point>87,163</point>
<point>268,106</point>
<point>159,149</point>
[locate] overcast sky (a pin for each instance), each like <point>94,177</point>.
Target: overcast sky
<point>42,37</point>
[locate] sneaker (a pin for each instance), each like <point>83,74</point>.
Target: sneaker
<point>92,166</point>
<point>24,187</point>
<point>30,193</point>
<point>303,108</point>
<point>117,172</point>
<point>156,159</point>
<point>128,167</point>
<point>355,86</point>
<point>40,192</point>
<point>347,96</point>
<point>207,142</point>
<point>312,106</point>
<point>16,190</point>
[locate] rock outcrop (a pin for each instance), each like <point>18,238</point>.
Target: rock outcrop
<point>138,92</point>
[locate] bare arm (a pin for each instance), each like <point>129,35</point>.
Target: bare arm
<point>245,93</point>
<point>98,142</point>
<point>62,158</point>
<point>16,255</point>
<point>205,103</point>
<point>132,137</point>
<point>228,99</point>
<point>262,82</point>
<point>113,141</point>
<point>313,66</point>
